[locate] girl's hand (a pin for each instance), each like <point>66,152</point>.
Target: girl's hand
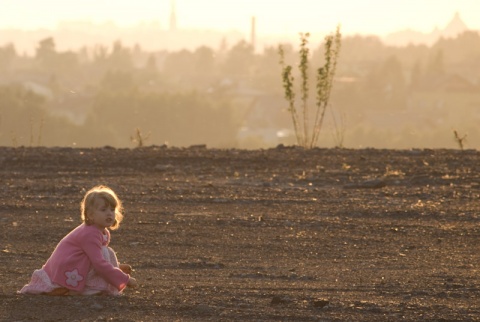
<point>127,269</point>
<point>132,282</point>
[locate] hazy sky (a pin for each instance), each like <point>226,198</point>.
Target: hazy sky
<point>273,16</point>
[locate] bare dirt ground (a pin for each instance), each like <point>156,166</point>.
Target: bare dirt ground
<point>283,234</point>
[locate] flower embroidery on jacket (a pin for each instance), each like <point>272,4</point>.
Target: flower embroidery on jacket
<point>73,278</point>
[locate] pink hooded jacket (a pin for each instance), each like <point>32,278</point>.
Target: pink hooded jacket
<point>76,254</point>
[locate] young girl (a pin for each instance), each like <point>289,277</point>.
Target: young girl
<point>82,263</point>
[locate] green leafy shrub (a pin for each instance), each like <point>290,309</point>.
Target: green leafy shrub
<point>307,130</point>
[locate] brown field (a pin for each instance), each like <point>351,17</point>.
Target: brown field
<point>283,234</point>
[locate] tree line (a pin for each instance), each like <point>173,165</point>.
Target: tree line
<point>101,95</point>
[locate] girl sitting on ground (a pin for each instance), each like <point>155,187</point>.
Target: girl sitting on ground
<point>82,263</point>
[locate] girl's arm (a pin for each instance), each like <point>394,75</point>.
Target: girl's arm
<point>92,246</point>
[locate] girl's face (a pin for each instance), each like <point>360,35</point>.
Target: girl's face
<point>102,214</point>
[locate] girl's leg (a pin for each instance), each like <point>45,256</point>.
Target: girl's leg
<point>58,292</point>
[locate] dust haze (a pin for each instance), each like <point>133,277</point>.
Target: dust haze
<point>95,85</point>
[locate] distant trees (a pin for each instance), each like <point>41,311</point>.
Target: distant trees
<point>265,75</point>
<point>53,62</point>
<point>179,65</point>
<point>46,54</point>
<point>7,56</point>
<point>24,119</point>
<point>387,85</point>
<point>239,60</point>
<point>435,64</point>
<point>179,119</point>
<point>120,58</point>
<point>204,61</point>
<point>459,50</point>
<point>101,94</point>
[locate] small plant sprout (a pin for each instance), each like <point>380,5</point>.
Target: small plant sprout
<point>306,131</point>
<point>460,139</point>
<point>139,138</point>
<point>40,129</point>
<point>14,139</point>
<point>339,127</point>
<point>31,131</point>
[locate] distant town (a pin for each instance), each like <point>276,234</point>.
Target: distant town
<point>93,85</point>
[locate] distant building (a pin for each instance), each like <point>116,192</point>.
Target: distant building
<point>455,27</point>
<point>173,17</point>
<point>253,33</point>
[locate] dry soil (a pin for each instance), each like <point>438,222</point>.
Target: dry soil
<point>283,234</point>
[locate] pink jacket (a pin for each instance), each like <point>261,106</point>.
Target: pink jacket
<point>76,254</point>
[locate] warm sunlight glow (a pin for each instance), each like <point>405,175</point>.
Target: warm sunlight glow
<point>273,16</point>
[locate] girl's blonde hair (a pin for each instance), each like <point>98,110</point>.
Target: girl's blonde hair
<point>110,198</point>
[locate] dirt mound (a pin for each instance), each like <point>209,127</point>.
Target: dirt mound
<point>266,235</point>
